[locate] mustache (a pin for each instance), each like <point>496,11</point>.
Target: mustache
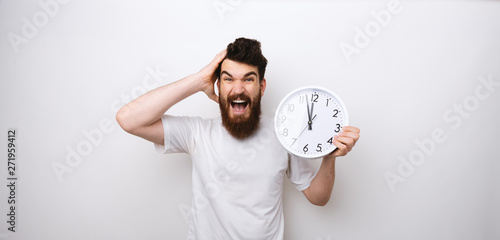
<point>241,96</point>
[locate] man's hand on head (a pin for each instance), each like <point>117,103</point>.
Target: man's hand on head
<point>208,77</point>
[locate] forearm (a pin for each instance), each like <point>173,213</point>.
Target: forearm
<point>322,185</point>
<point>148,108</point>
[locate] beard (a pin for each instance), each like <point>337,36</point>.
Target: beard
<point>241,127</point>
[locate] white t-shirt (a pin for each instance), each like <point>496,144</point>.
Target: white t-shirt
<point>237,184</point>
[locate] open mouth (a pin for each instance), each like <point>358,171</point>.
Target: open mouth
<point>239,106</point>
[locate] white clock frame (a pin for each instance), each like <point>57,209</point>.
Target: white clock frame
<point>289,122</point>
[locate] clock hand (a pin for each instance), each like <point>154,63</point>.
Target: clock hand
<point>302,131</point>
<point>309,123</point>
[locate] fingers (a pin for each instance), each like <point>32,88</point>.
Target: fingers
<point>341,150</point>
<point>209,70</point>
<point>345,140</point>
<point>351,129</point>
<point>350,135</point>
<point>219,57</point>
<point>217,60</point>
<point>348,141</point>
<point>350,132</point>
<point>212,67</point>
<point>207,76</point>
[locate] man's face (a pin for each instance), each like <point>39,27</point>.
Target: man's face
<point>239,95</point>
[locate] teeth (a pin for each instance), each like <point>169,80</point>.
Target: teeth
<point>239,101</point>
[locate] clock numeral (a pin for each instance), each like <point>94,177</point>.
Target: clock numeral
<point>301,99</point>
<point>305,149</point>
<point>285,132</point>
<point>283,118</point>
<point>318,148</point>
<point>328,100</point>
<point>290,107</point>
<point>330,140</point>
<point>338,128</point>
<point>314,97</point>
<point>335,112</point>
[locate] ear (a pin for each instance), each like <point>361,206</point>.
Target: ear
<point>262,86</point>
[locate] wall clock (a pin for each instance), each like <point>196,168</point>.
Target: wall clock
<point>307,119</point>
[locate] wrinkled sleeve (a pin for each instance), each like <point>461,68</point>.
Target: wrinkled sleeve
<point>301,171</point>
<point>178,134</point>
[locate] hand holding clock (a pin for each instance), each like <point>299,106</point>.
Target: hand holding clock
<point>320,189</point>
<point>345,141</point>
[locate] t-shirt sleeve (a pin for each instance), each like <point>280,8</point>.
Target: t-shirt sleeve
<point>301,171</point>
<point>178,134</point>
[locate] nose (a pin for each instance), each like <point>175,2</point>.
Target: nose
<point>238,87</point>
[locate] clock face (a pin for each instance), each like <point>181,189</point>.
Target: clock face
<point>307,119</point>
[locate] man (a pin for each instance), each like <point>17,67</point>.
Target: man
<point>238,163</point>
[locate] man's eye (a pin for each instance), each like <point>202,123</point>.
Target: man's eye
<point>249,79</point>
<point>227,79</point>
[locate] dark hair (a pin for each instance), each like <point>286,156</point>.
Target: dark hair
<point>247,51</point>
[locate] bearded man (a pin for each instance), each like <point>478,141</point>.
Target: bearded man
<point>238,163</point>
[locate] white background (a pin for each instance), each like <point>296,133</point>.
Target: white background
<point>84,59</point>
